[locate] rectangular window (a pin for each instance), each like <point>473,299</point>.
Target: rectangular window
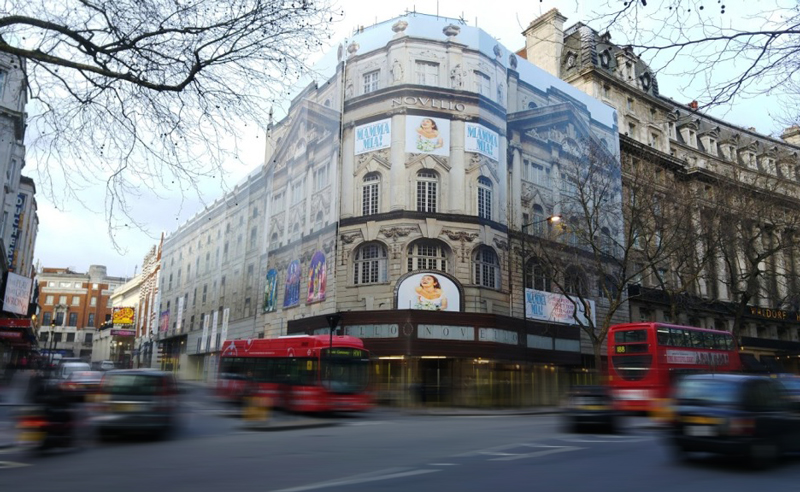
<point>371,81</point>
<point>76,301</point>
<point>91,320</point>
<point>253,237</point>
<point>93,302</point>
<point>536,173</point>
<point>321,177</point>
<point>49,300</point>
<point>483,84</point>
<point>71,337</point>
<point>484,203</point>
<point>62,300</point>
<point>278,203</point>
<point>631,130</point>
<point>654,141</point>
<point>298,192</point>
<point>427,73</point>
<point>88,338</point>
<point>46,318</point>
<point>426,196</point>
<point>205,293</point>
<point>57,337</point>
<point>369,197</point>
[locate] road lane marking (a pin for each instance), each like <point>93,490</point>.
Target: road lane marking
<point>614,439</point>
<point>537,454</point>
<point>443,464</point>
<point>354,481</point>
<point>12,464</point>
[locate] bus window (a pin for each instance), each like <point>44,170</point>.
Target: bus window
<point>679,337</point>
<point>698,339</point>
<point>630,336</point>
<point>663,336</point>
<point>728,342</point>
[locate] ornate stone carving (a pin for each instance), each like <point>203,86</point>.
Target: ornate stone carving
<point>462,236</point>
<point>512,61</point>
<point>306,257</point>
<point>456,77</point>
<point>350,237</point>
<point>353,48</point>
<point>400,26</point>
<point>497,51</point>
<point>328,246</point>
<point>396,232</point>
<point>397,71</point>
<point>451,30</point>
<point>501,244</point>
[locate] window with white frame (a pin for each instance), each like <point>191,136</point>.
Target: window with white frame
<point>427,255</point>
<point>483,84</point>
<point>427,182</point>
<point>370,264</point>
<point>93,302</point>
<point>49,300</point>
<point>487,271</point>
<point>76,301</point>
<point>536,173</point>
<point>321,177</point>
<point>427,73</point>
<point>484,198</point>
<point>371,81</point>
<point>370,194</point>
<point>568,185</point>
<point>319,221</point>
<point>278,202</point>
<point>539,222</point>
<point>574,282</point>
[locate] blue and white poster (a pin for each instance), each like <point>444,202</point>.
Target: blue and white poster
<point>271,291</point>
<point>373,136</point>
<point>549,306</point>
<point>478,138</point>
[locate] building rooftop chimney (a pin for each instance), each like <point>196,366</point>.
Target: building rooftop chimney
<point>544,41</point>
<point>693,105</point>
<point>792,135</point>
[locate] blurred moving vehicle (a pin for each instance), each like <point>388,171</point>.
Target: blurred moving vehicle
<point>65,369</point>
<point>734,414</point>
<point>233,388</point>
<point>647,359</point>
<point>791,384</point>
<point>49,419</point>
<point>593,406</point>
<point>82,384</point>
<point>137,400</point>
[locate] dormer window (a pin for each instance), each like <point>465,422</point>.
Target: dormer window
<point>646,80</point>
<point>712,146</point>
<point>671,129</point>
<point>692,138</point>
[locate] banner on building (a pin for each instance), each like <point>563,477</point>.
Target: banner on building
<point>271,291</point>
<point>373,136</point>
<point>317,278</point>
<point>122,316</point>
<point>478,138</point>
<point>179,320</point>
<point>426,135</point>
<point>204,340</point>
<point>557,308</point>
<point>163,324</point>
<point>225,316</point>
<point>291,296</point>
<point>429,292</point>
<point>17,296</point>
<point>214,322</point>
<point>15,228</point>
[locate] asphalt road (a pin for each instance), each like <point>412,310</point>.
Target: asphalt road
<point>385,450</point>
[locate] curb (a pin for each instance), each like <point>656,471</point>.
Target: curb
<point>267,427</point>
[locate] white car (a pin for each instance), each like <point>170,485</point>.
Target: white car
<point>67,368</point>
<point>106,365</point>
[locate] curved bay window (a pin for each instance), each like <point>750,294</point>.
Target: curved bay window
<point>487,268</point>
<point>427,189</point>
<point>369,266</point>
<point>537,276</point>
<point>427,255</point>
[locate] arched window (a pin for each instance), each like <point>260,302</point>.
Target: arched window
<point>427,186</point>
<point>319,220</point>
<point>370,194</point>
<point>484,198</point>
<point>574,282</point>
<point>427,255</point>
<point>273,241</point>
<point>537,276</point>
<point>370,264</point>
<point>487,271</point>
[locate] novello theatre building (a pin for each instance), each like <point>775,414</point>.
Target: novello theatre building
<point>394,195</point>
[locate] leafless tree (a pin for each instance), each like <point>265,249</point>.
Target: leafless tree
<point>726,51</point>
<point>609,219</point>
<point>150,96</point>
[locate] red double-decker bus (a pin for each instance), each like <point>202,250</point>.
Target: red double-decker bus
<point>645,359</point>
<point>298,373</point>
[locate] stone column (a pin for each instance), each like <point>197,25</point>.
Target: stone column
<point>457,187</point>
<point>395,188</point>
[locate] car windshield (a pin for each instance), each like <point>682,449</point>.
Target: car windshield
<point>132,384</point>
<point>791,384</point>
<point>708,391</point>
<point>86,376</point>
<point>70,368</point>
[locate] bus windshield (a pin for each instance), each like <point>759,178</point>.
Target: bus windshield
<point>344,370</point>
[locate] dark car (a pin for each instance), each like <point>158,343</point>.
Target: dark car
<point>740,415</point>
<point>791,384</point>
<point>137,401</point>
<point>590,406</point>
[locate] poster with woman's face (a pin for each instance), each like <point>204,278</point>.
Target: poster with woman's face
<point>317,277</point>
<point>429,292</point>
<point>426,135</point>
<point>271,291</point>
<point>292,293</point>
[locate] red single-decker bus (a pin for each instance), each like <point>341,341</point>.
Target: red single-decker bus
<point>306,373</point>
<point>645,359</point>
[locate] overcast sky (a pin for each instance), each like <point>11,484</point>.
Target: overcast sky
<point>76,237</point>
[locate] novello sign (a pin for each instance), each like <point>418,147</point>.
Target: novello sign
<point>428,102</point>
